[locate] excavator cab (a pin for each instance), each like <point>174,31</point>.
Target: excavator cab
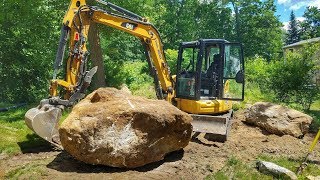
<point>210,75</point>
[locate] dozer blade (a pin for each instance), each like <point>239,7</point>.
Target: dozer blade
<point>44,121</point>
<point>216,127</point>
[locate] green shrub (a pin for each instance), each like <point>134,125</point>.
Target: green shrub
<point>258,72</point>
<point>286,80</point>
<point>115,73</point>
<point>291,79</point>
<point>172,56</point>
<point>258,81</point>
<point>138,80</point>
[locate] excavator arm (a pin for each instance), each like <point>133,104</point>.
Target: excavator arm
<point>44,119</point>
<point>77,23</point>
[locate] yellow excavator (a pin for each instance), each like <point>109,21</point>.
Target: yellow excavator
<point>210,72</point>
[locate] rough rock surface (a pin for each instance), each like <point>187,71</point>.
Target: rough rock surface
<point>313,178</point>
<point>112,127</point>
<point>275,170</point>
<point>277,119</point>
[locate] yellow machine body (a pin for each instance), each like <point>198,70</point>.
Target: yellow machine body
<point>204,106</point>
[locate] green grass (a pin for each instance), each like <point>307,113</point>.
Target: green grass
<point>315,113</point>
<point>312,169</point>
<point>145,90</point>
<point>32,171</point>
<point>139,82</point>
<point>14,131</point>
<point>235,169</point>
<point>253,94</point>
<point>16,137</point>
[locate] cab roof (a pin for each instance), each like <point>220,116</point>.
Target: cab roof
<point>200,41</point>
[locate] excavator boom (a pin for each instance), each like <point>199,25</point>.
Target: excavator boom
<point>43,120</point>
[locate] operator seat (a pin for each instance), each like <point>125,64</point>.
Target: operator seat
<point>214,66</point>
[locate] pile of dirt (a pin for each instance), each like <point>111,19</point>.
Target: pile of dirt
<point>111,127</point>
<point>252,141</point>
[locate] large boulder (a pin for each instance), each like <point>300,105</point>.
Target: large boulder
<point>111,127</point>
<point>277,119</point>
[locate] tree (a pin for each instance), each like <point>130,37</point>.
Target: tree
<point>257,28</point>
<point>29,36</point>
<point>96,55</point>
<point>177,21</point>
<point>213,20</point>
<point>293,35</point>
<point>235,5</point>
<point>310,27</point>
<point>30,32</point>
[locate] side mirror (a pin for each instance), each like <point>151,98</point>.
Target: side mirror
<point>240,76</point>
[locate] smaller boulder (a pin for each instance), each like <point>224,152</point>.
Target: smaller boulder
<point>277,119</point>
<point>275,170</point>
<point>313,177</point>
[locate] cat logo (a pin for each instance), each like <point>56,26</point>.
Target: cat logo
<point>130,26</point>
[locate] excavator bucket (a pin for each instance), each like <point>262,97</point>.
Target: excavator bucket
<point>216,127</point>
<point>44,121</point>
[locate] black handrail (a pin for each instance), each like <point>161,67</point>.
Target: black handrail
<point>121,10</point>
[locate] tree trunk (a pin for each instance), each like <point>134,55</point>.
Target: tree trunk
<point>236,11</point>
<point>96,57</point>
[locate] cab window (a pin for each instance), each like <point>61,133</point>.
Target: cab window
<point>210,70</point>
<point>186,77</point>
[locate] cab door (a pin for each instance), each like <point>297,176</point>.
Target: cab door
<point>232,73</point>
<point>186,71</point>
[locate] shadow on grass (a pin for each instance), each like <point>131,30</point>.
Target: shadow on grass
<point>66,163</point>
<point>35,144</point>
<point>316,120</point>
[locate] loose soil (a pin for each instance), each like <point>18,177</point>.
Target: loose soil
<point>198,160</point>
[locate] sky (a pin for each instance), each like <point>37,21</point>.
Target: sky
<point>284,8</point>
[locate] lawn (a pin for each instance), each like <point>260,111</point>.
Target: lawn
<point>235,169</point>
<point>315,113</point>
<point>16,136</point>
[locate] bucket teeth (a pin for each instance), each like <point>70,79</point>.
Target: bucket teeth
<point>44,121</point>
